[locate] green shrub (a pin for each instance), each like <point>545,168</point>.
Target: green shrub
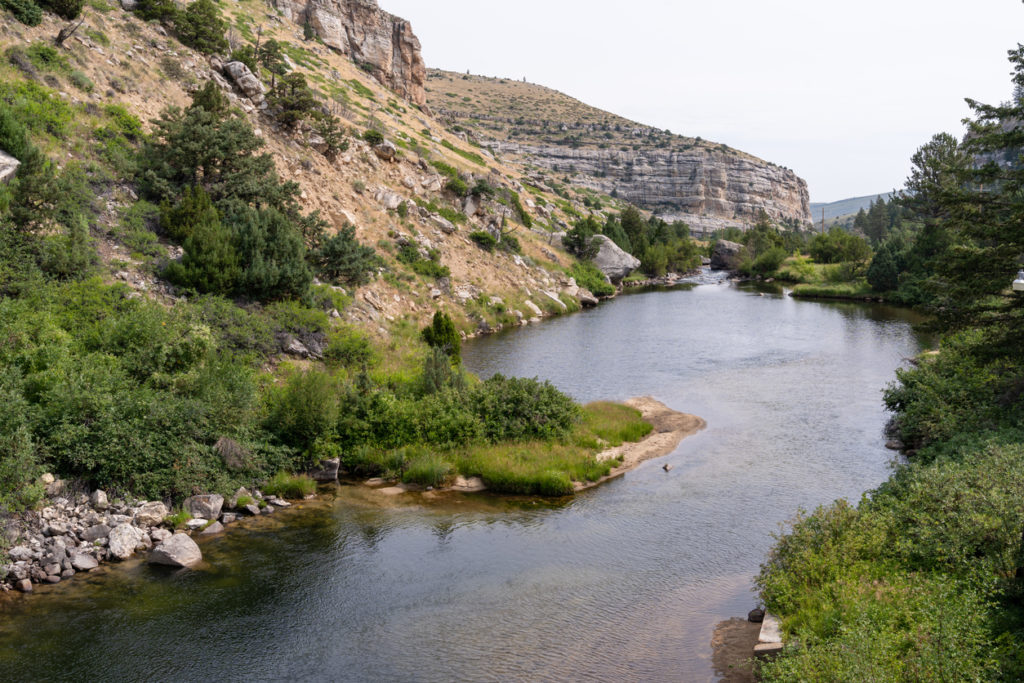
<point>350,348</point>
<point>202,27</point>
<point>290,486</point>
<point>304,409</point>
<point>46,58</point>
<point>514,409</point>
<point>65,9</point>
<point>457,186</point>
<point>372,137</point>
<point>341,258</point>
<point>81,81</point>
<point>441,334</point>
<point>590,277</point>
<point>484,240</point>
<point>164,11</point>
<point>428,267</point>
<point>25,11</point>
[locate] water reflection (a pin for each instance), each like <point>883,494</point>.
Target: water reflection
<point>626,581</point>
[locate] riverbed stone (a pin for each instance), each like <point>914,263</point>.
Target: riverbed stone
<point>95,533</point>
<point>82,561</point>
<point>159,535</point>
<point>252,509</point>
<point>228,518</point>
<point>207,506</point>
<point>52,578</point>
<point>151,514</point>
<point>177,551</point>
<point>215,528</point>
<point>327,472</point>
<point>52,569</point>
<point>123,540</point>
<point>196,523</point>
<point>24,585</point>
<point>98,499</point>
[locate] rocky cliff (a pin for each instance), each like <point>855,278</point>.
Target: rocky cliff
<point>706,184</point>
<point>706,188</point>
<point>376,40</point>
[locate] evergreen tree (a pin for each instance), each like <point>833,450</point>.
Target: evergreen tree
<point>342,259</point>
<point>210,264</point>
<point>441,334</point>
<point>580,240</point>
<point>293,96</point>
<point>202,27</point>
<point>271,253</point>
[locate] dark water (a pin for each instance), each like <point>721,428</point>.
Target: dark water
<point>624,582</point>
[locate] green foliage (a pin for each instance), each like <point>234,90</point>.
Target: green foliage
<point>209,264</point>
<point>427,469</point>
<point>428,267</point>
<point>457,186</point>
<point>350,348</point>
<point>271,57</point>
<point>202,27</point>
<point>341,258</point>
<point>211,98</point>
<point>580,240</point>
<point>65,9</point>
<point>484,240</point>
<point>441,334</point>
<point>839,246</point>
<point>38,109</point>
<point>767,263</point>
<point>290,486</point>
<point>449,214</point>
<point>329,128</point>
<point>46,58</point>
<point>271,253</point>
<point>470,156</point>
<point>883,273</point>
<point>293,98</point>
<point>25,11</point>
<point>372,137</point>
<point>19,464</point>
<point>164,11</point>
<point>246,54</point>
<point>304,409</point>
<point>518,409</point>
<point>590,277</point>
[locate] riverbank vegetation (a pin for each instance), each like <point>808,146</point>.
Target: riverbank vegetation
<point>924,579</point>
<point>243,371</point>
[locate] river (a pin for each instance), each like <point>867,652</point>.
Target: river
<point>623,582</point>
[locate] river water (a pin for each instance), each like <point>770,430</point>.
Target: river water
<point>623,582</point>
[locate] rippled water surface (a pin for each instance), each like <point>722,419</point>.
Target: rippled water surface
<point>624,582</point>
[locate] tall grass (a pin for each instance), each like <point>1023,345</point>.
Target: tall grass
<point>292,486</point>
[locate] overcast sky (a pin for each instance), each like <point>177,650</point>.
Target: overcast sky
<point>842,93</point>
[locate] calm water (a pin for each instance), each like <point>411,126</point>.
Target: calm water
<point>625,582</point>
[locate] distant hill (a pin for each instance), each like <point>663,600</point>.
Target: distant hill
<point>845,207</point>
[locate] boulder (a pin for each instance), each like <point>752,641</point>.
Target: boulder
<point>196,523</point>
<point>207,506</point>
<point>215,528</point>
<point>726,255</point>
<point>160,535</point>
<point>586,298</point>
<point>613,261</point>
<point>242,492</point>
<point>99,500</point>
<point>177,551</point>
<point>252,509</point>
<point>446,226</point>
<point>95,533</point>
<point>25,586</point>
<point>533,307</point>
<point>82,561</point>
<point>386,151</point>
<point>328,471</point>
<point>756,616</point>
<point>123,540</point>
<point>151,514</point>
<point>129,5</point>
<point>8,167</point>
<point>245,81</point>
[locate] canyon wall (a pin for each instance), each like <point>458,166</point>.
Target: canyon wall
<point>380,42</point>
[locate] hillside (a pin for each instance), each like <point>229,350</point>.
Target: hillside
<point>708,185</point>
<point>845,207</point>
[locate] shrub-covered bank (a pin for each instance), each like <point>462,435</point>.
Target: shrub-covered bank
<point>924,579</point>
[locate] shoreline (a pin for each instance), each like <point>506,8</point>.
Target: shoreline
<point>670,428</point>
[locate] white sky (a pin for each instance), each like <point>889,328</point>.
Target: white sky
<point>842,93</point>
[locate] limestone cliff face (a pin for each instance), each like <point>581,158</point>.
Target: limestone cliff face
<point>370,37</point>
<point>706,188</point>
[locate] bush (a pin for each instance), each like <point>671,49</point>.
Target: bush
<point>580,240</point>
<point>441,334</point>
<point>372,137</point>
<point>65,9</point>
<point>343,259</point>
<point>590,277</point>
<point>457,186</point>
<point>514,409</point>
<point>164,11</point>
<point>428,267</point>
<point>304,409</point>
<point>25,11</point>
<point>769,261</point>
<point>428,470</point>
<point>484,240</point>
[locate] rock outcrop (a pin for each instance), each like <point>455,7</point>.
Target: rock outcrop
<point>8,167</point>
<point>726,255</point>
<point>380,42</point>
<point>615,263</point>
<point>706,188</point>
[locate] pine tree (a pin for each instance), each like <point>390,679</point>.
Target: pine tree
<point>201,26</point>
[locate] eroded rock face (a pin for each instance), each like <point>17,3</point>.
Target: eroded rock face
<point>707,189</point>
<point>382,42</point>
<point>245,80</point>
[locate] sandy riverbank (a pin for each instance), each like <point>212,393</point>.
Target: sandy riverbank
<point>670,428</point>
